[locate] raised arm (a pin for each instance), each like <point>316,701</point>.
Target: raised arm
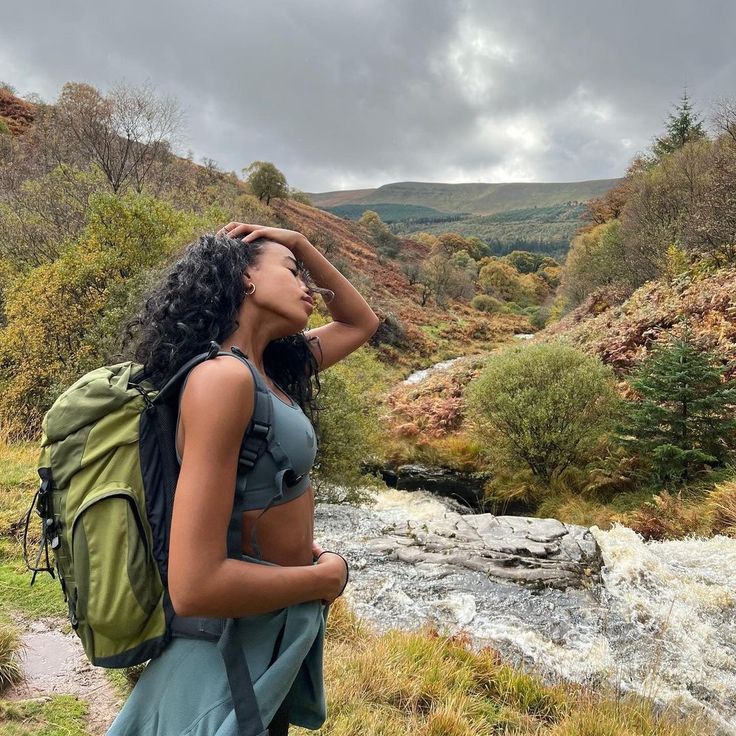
<point>216,407</point>
<point>353,321</point>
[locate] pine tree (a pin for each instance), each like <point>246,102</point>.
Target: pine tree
<point>685,418</point>
<point>683,125</point>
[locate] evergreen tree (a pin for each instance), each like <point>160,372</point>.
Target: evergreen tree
<point>683,125</point>
<point>685,419</point>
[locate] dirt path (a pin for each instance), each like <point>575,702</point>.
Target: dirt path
<point>54,664</point>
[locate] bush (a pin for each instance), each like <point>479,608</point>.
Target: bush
<point>11,671</point>
<point>544,406</point>
<point>56,313</point>
<point>386,243</point>
<point>390,331</point>
<point>485,303</point>
<point>349,428</point>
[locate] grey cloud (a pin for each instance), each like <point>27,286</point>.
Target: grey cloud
<point>361,93</point>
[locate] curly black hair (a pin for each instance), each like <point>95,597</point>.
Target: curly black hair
<point>197,301</point>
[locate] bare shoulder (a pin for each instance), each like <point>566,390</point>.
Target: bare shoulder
<point>218,395</point>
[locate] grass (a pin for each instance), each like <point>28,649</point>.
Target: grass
<point>61,715</point>
<point>18,478</point>
<point>43,599</point>
<point>10,667</point>
<point>17,486</point>
<point>427,684</point>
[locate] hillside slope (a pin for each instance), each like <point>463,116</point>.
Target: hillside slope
<point>410,336</point>
<point>621,335</point>
<point>17,114</point>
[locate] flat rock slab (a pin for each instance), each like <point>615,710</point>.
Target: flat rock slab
<point>542,552</point>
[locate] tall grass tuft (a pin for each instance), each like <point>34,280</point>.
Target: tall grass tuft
<point>11,671</point>
<point>721,506</point>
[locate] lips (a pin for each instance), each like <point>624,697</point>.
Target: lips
<point>308,300</point>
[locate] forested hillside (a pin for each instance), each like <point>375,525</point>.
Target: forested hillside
<point>88,218</point>
<point>536,217</point>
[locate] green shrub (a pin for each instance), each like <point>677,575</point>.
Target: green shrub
<point>4,130</point>
<point>57,313</point>
<point>349,427</point>
<point>485,303</point>
<point>544,407</point>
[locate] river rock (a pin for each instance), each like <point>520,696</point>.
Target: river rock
<point>542,552</point>
<point>463,487</point>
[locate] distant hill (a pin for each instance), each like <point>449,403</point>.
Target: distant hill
<point>541,229</point>
<point>535,217</point>
<point>391,213</point>
<point>474,199</point>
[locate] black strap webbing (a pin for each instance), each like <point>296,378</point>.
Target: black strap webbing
<point>245,704</point>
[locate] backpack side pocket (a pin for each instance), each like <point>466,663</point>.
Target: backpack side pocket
<point>118,585</point>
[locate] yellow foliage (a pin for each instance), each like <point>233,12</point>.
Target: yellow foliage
<point>721,508</point>
<point>53,312</point>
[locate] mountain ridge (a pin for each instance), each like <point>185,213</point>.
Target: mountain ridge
<point>478,198</point>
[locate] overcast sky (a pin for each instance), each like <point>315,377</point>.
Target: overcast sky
<point>346,94</point>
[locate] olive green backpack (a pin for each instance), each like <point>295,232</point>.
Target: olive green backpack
<point>108,473</point>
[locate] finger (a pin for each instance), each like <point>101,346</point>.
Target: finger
<point>225,229</point>
<point>242,228</point>
<point>255,235</point>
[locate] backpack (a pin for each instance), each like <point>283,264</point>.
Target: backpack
<point>108,472</point>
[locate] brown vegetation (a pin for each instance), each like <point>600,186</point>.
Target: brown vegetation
<point>16,113</point>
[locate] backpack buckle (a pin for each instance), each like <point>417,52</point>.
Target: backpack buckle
<point>260,430</point>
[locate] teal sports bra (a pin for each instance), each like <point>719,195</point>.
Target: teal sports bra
<point>295,433</point>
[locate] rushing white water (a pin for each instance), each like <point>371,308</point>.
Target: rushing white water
<point>422,374</point>
<point>674,608</point>
<point>661,622</point>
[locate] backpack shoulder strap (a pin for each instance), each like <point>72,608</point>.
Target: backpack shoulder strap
<point>255,442</point>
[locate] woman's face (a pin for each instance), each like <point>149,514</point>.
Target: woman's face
<point>280,285</point>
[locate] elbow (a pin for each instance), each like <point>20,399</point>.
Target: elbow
<point>185,602</point>
<point>374,325</point>
<point>188,595</point>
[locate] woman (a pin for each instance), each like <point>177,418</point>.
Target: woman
<point>248,289</point>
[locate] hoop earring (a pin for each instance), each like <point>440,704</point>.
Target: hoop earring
<point>251,292</point>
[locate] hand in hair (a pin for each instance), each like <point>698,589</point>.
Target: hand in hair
<point>247,233</point>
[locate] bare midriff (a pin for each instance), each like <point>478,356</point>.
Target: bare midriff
<point>285,531</point>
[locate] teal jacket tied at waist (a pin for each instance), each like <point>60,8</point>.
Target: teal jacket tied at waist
<point>185,691</point>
